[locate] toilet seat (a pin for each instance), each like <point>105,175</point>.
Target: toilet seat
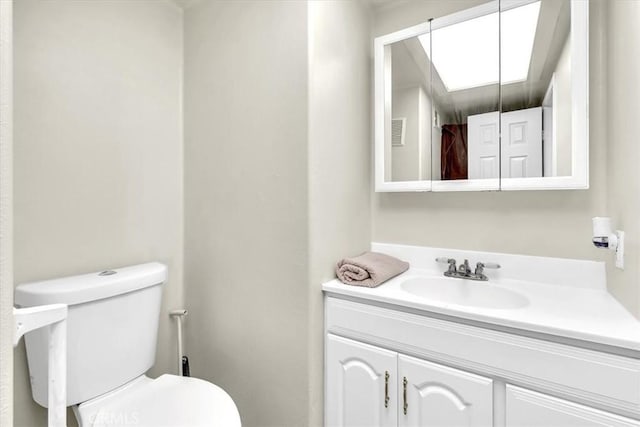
<point>168,400</point>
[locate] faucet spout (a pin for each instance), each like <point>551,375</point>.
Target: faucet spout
<point>464,268</point>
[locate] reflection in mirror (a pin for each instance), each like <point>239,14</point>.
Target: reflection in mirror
<point>490,97</point>
<point>466,93</point>
<point>408,147</point>
<point>536,100</point>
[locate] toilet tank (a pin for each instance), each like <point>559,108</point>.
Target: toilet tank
<point>112,328</point>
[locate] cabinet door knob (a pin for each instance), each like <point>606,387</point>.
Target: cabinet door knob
<point>404,395</point>
<point>386,389</point>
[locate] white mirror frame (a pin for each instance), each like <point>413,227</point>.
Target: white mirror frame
<point>382,107</point>
<point>579,179</point>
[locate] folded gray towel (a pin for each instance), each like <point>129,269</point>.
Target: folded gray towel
<point>369,269</point>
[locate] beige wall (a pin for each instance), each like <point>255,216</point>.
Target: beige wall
<point>6,216</point>
<point>98,151</point>
<point>246,198</point>
<point>339,157</point>
<point>549,223</point>
<point>277,190</point>
<point>99,169</point>
<point>624,151</point>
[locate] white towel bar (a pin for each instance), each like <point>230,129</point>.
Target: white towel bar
<point>53,316</point>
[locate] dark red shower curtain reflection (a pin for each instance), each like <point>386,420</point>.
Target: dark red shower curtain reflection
<point>453,160</point>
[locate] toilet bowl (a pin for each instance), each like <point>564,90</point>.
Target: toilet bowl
<point>168,400</point>
<point>112,329</point>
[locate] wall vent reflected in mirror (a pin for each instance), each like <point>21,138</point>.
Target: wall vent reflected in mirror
<point>397,131</point>
<point>493,97</point>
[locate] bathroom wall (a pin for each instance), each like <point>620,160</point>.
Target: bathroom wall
<point>6,214</point>
<point>624,151</point>
<point>339,158</point>
<point>98,149</point>
<point>246,201</point>
<point>277,152</point>
<point>548,223</point>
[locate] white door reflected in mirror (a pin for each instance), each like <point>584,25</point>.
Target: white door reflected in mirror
<point>521,151</point>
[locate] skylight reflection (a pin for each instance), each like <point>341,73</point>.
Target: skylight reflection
<point>466,54</point>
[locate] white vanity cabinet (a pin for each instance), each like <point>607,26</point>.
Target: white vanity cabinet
<point>370,386</point>
<point>464,374</point>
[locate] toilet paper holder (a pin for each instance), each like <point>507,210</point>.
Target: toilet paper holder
<point>605,238</point>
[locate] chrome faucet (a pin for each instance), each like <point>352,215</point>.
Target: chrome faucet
<point>464,270</point>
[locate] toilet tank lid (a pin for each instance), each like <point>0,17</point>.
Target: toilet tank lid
<point>90,287</point>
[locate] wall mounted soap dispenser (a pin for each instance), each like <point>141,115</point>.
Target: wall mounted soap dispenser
<point>605,238</point>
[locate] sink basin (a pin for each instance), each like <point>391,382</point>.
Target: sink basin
<point>464,292</point>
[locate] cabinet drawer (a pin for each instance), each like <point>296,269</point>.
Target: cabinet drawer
<point>525,408</point>
<point>600,378</point>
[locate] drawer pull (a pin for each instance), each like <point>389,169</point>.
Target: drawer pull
<point>404,395</point>
<point>386,389</point>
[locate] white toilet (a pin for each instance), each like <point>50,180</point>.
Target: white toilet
<point>112,333</point>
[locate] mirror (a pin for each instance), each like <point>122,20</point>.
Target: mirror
<point>492,97</point>
<point>408,150</point>
<point>466,90</point>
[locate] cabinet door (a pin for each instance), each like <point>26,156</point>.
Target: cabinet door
<point>360,384</point>
<point>440,396</point>
<point>531,409</point>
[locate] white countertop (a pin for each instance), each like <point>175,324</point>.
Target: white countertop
<point>583,313</point>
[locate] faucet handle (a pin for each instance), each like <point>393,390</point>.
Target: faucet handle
<point>488,265</point>
<point>482,265</point>
<point>450,261</point>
